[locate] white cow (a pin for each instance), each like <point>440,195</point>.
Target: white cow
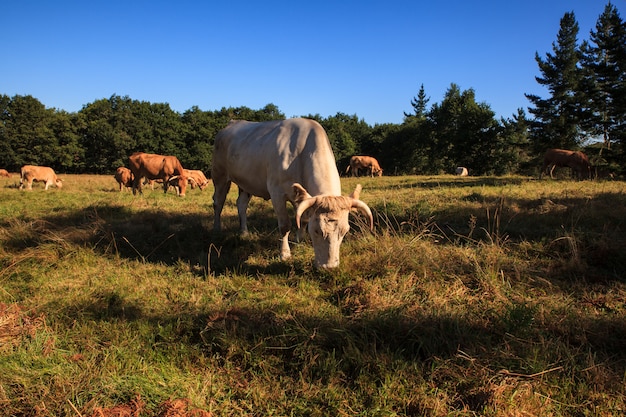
<point>286,160</point>
<point>30,173</point>
<point>461,171</point>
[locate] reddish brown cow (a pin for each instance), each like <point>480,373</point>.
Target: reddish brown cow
<point>4,173</point>
<point>367,163</point>
<point>576,160</point>
<point>153,167</point>
<point>124,177</point>
<point>30,173</point>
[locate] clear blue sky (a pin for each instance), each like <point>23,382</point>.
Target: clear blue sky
<point>367,58</point>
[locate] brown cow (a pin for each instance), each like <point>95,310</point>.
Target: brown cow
<point>30,173</point>
<point>153,166</point>
<point>4,173</point>
<point>576,160</point>
<point>358,163</point>
<point>197,177</point>
<point>124,177</point>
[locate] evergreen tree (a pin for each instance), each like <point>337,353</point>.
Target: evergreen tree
<point>465,133</point>
<point>557,119</point>
<point>419,104</point>
<point>605,82</point>
<point>516,157</point>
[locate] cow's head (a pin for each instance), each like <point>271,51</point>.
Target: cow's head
<point>203,185</point>
<point>327,218</point>
<point>59,182</point>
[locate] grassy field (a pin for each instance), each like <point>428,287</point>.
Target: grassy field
<point>473,297</point>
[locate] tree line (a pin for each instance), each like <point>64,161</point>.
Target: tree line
<point>585,109</point>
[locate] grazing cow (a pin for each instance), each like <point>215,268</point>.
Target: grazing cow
<point>197,177</point>
<point>286,160</point>
<point>30,173</point>
<point>153,167</point>
<point>367,163</point>
<point>461,172</point>
<point>576,160</point>
<point>124,177</point>
<point>4,173</point>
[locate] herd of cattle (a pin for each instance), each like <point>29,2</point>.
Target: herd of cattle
<point>282,161</point>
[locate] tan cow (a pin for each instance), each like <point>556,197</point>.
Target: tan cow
<point>286,160</point>
<point>367,163</point>
<point>153,167</point>
<point>30,173</point>
<point>124,178</point>
<point>576,160</point>
<point>4,173</point>
<point>197,177</point>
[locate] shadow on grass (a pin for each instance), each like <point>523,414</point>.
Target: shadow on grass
<point>314,346</point>
<point>447,349</point>
<point>151,235</point>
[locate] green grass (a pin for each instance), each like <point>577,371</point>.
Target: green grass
<point>473,296</point>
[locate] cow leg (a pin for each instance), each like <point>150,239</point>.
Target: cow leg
<point>242,207</point>
<point>48,182</point>
<point>137,185</point>
<point>284,226</point>
<point>219,198</point>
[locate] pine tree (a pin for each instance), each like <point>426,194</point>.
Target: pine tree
<point>604,60</point>
<point>419,104</point>
<point>556,122</point>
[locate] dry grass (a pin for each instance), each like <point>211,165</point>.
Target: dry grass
<point>473,296</point>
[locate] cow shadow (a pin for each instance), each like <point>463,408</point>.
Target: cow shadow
<point>160,237</point>
<point>171,237</point>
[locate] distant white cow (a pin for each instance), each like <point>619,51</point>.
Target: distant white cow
<point>286,160</point>
<point>461,171</point>
<point>30,173</point>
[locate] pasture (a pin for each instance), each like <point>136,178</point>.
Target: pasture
<point>474,296</point>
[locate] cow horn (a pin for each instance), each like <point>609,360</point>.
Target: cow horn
<point>302,207</point>
<point>364,208</point>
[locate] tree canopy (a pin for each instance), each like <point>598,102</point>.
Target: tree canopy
<point>585,102</point>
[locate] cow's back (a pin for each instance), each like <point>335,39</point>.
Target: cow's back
<point>260,155</point>
<point>37,173</point>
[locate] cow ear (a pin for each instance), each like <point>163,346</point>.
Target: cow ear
<point>300,192</point>
<point>357,192</point>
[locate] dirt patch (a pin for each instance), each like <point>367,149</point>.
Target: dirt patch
<point>16,325</point>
